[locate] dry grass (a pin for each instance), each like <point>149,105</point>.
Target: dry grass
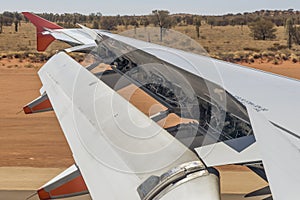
<point>22,41</point>
<point>232,43</point>
<point>231,38</point>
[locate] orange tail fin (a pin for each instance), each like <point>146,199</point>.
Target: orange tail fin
<point>43,41</point>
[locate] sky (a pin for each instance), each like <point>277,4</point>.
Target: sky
<point>139,7</point>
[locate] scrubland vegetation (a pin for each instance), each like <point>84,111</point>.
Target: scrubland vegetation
<point>262,36</point>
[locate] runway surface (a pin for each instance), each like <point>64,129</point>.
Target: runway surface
<point>23,194</point>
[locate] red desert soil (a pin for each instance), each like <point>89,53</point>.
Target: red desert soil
<point>27,140</point>
<point>37,140</point>
<point>286,68</point>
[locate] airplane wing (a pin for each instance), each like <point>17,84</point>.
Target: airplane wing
<point>280,157</point>
<point>209,97</point>
<point>115,151</point>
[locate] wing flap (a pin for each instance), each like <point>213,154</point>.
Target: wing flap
<point>40,104</point>
<point>67,184</point>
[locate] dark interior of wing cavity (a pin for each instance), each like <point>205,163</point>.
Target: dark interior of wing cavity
<point>216,119</point>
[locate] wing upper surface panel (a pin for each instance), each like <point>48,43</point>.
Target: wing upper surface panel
<point>274,95</point>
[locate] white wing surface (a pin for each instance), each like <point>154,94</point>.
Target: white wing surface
<point>280,157</point>
<point>114,153</point>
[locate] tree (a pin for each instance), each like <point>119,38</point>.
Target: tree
<point>293,33</point>
<point>126,21</point>
<point>91,17</point>
<point>134,23</point>
<point>1,23</point>
<point>144,21</point>
<point>189,20</point>
<point>262,29</point>
<point>108,23</point>
<point>95,24</point>
<point>119,20</point>
<point>99,15</point>
<point>17,20</point>
<point>289,26</point>
<point>197,26</point>
<point>8,18</point>
<point>211,21</point>
<point>162,19</point>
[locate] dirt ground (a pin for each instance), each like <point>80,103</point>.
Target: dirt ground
<point>28,140</point>
<point>287,68</point>
<point>34,146</point>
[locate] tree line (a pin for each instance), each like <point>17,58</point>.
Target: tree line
<point>277,17</point>
<point>10,18</point>
<point>261,23</point>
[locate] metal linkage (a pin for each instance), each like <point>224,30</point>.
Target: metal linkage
<point>154,185</point>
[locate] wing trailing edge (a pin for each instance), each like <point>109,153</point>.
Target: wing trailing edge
<point>40,104</point>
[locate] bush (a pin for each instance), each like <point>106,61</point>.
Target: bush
<point>294,58</point>
<point>275,61</point>
<point>17,55</point>
<point>276,47</point>
<point>256,55</point>
<point>237,58</point>
<point>262,29</point>
<point>284,57</point>
<point>272,49</point>
<point>280,47</point>
<point>251,49</point>
<point>267,53</point>
<point>29,66</point>
<point>271,54</point>
<point>251,59</point>
<point>277,56</point>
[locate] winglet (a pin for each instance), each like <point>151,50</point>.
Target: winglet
<point>43,41</point>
